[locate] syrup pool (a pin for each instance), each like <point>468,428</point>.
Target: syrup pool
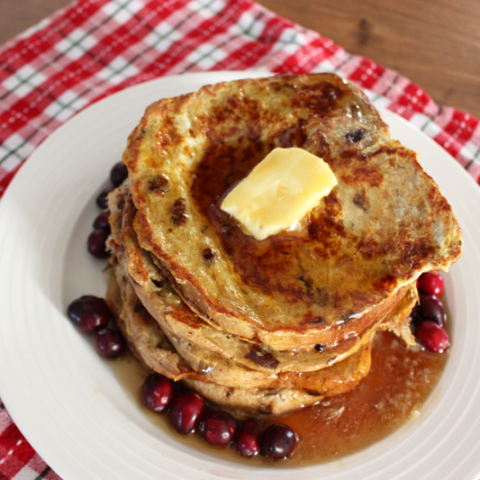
<point>399,382</point>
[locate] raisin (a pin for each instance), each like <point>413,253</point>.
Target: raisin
<point>178,209</point>
<point>260,358</point>
<point>355,135</point>
<point>208,254</point>
<point>158,184</point>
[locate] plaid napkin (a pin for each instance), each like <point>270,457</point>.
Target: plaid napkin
<point>93,48</point>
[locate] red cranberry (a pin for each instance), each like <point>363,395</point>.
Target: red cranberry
<point>431,308</point>
<point>89,314</point>
<point>109,343</point>
<point>101,222</point>
<point>118,173</point>
<point>432,336</point>
<point>218,428</point>
<point>96,244</point>
<point>102,200</point>
<point>248,440</point>
<point>157,392</point>
<point>278,441</point>
<point>431,284</point>
<point>187,411</point>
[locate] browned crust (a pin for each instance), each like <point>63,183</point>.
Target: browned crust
<point>149,345</point>
<point>335,378</point>
<point>178,320</point>
<point>222,382</point>
<point>367,245</point>
<point>398,319</point>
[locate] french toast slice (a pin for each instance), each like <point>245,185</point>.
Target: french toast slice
<point>382,226</point>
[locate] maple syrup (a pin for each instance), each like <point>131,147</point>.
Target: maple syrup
<point>399,382</point>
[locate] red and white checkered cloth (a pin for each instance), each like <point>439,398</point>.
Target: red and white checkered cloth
<point>95,47</point>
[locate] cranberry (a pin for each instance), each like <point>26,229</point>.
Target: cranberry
<point>89,314</point>
<point>96,244</point>
<point>101,222</point>
<point>432,336</point>
<point>102,200</point>
<point>431,284</point>
<point>414,313</point>
<point>109,343</point>
<point>218,428</point>
<point>248,440</point>
<point>278,441</point>
<point>431,308</point>
<point>187,411</point>
<point>157,392</point>
<point>118,173</point>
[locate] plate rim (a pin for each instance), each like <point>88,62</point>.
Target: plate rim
<point>24,173</point>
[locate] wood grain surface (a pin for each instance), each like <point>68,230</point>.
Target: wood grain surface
<point>435,43</point>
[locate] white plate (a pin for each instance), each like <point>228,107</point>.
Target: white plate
<point>66,400</point>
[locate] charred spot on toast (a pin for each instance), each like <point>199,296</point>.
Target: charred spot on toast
<point>295,136</point>
<point>360,201</point>
<point>313,320</point>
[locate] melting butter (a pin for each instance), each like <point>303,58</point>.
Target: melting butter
<point>279,191</point>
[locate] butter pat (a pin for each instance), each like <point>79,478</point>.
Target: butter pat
<point>279,191</point>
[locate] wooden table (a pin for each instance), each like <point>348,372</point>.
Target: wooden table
<point>435,43</point>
